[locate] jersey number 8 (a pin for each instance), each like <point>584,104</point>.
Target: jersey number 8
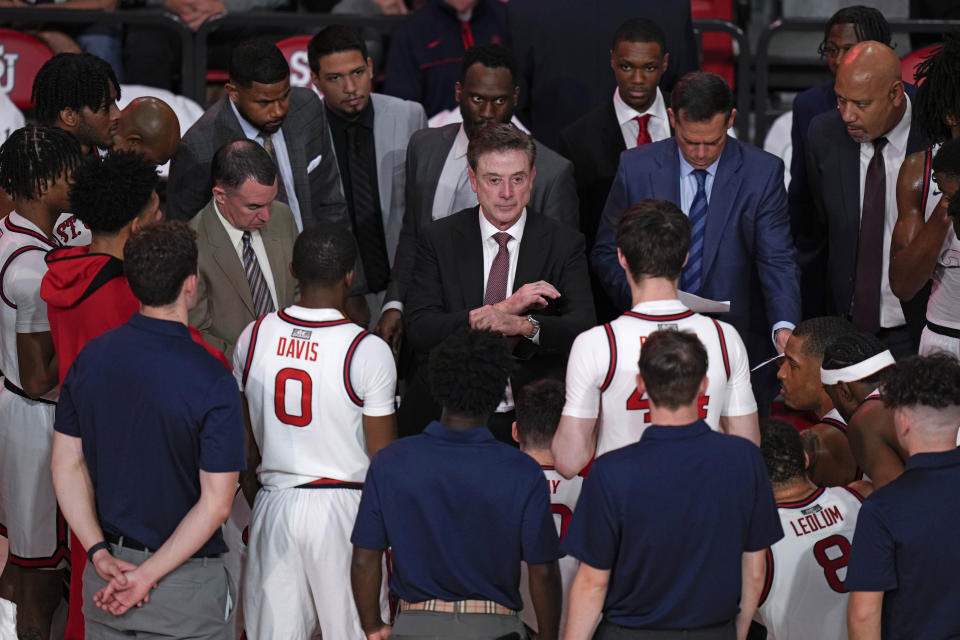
<point>832,565</point>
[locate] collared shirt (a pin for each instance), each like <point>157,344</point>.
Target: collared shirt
<point>454,192</point>
<point>688,182</point>
<point>891,313</point>
<point>642,515</point>
<point>144,452</point>
<point>490,250</point>
<point>904,546</point>
<point>339,127</point>
<point>658,127</point>
<point>256,241</point>
<point>283,160</point>
<point>461,511</point>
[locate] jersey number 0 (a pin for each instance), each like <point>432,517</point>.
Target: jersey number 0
<point>290,375</point>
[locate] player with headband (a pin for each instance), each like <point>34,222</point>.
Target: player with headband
<point>853,369</point>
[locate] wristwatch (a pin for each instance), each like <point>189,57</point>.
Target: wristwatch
<point>536,328</point>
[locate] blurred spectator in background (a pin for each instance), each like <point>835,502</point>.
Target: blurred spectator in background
<point>423,63</point>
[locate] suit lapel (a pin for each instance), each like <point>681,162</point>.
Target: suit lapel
<point>665,180</point>
<point>294,137</point>
<point>533,251</point>
<point>274,248</point>
<point>433,167</point>
<point>723,197</point>
<point>610,138</point>
<point>225,255</point>
<point>470,259</point>
<point>849,172</point>
<point>385,129</point>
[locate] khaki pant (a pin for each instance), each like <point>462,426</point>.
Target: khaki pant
<point>195,600</point>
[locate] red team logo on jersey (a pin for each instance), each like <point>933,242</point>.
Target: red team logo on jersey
<point>637,402</point>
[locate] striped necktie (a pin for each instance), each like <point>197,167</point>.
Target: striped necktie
<point>259,292</point>
<point>499,271</point>
<point>692,277</point>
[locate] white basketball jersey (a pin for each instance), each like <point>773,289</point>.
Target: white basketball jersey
<point>804,594</point>
<point>602,371</point>
<point>70,231</point>
<point>942,308</point>
<point>22,250</point>
<point>309,375</point>
<point>563,500</point>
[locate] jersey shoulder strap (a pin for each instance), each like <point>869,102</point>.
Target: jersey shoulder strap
<point>612,346</point>
<point>251,347</point>
<point>723,348</point>
<point>347,360</point>
<point>3,270</point>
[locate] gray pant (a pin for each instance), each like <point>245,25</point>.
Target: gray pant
<point>433,625</point>
<point>189,602</point>
<point>610,631</point>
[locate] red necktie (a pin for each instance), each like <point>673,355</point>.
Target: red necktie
<point>499,270</point>
<point>643,135</point>
<point>866,289</point>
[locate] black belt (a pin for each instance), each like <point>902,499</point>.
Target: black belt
<point>943,331</point>
<point>127,542</point>
<point>12,388</point>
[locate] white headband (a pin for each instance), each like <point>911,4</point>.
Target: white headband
<point>857,371</point>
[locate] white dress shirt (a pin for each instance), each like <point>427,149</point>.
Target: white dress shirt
<point>283,160</point>
<point>236,239</point>
<point>490,251</point>
<point>454,192</point>
<point>891,313</point>
<point>658,126</point>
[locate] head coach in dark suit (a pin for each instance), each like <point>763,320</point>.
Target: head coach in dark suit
<point>502,267</point>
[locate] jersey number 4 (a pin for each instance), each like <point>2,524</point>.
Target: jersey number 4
<point>294,376</point>
<point>832,565</point>
<point>636,402</point>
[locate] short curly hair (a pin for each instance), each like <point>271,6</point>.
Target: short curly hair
<point>468,371</point>
<point>929,381</point>
<point>782,451</point>
<point>158,259</point>
<point>107,193</point>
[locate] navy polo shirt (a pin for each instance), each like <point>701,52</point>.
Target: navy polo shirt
<point>905,545</point>
<point>152,408</point>
<point>460,511</point>
<point>670,517</point>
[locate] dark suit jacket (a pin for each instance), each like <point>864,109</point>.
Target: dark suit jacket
<point>563,64</point>
<point>833,172</point>
<point>315,174</point>
<point>554,194</point>
<point>448,284</point>
<point>747,247</point>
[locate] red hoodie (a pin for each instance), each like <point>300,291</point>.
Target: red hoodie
<point>86,295</point>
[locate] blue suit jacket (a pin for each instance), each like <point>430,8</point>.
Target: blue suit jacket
<point>748,255</point>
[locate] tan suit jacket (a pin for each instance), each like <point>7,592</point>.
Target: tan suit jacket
<point>224,304</point>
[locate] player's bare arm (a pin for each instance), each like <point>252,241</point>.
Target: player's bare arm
<point>587,593</point>
<point>831,461</point>
<point>574,444</point>
<point>366,576</point>
<point>754,571</point>
<point>210,511</point>
<point>379,431</point>
<point>863,487</point>
<point>547,597</point>
<point>747,426</point>
<point>915,244</point>
<point>249,482</point>
<point>863,615</point>
<point>874,444</point>
<point>71,482</point>
<point>39,370</point>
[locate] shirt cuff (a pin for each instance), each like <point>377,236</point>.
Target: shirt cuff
<point>393,304</point>
<point>783,324</point>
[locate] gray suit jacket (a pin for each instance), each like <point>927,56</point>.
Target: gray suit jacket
<point>224,304</point>
<point>554,194</point>
<point>394,121</point>
<point>308,143</point>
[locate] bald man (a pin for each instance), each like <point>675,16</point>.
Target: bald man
<point>854,154</point>
<point>149,126</point>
